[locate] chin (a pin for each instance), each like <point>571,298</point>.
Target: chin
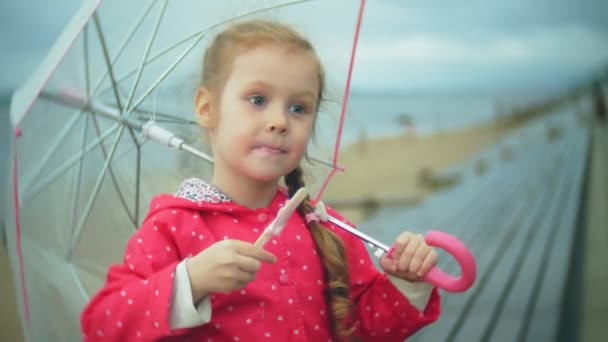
<point>266,176</point>
<point>267,171</point>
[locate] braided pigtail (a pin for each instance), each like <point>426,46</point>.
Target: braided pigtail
<point>333,258</point>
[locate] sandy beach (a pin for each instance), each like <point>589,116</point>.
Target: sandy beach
<point>393,167</point>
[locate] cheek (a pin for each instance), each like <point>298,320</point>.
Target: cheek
<point>234,135</point>
<point>303,137</point>
<point>310,128</point>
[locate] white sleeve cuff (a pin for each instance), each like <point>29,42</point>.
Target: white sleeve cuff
<point>417,294</point>
<point>182,311</point>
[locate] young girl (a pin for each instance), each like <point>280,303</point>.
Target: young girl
<point>191,272</point>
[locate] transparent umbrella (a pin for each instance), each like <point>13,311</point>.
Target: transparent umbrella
<point>86,152</point>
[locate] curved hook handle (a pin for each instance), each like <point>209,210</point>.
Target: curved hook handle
<point>463,256</point>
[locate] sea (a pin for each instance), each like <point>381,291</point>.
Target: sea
<point>374,114</point>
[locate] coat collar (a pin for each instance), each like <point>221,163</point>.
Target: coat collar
<point>196,194</point>
<point>197,190</point>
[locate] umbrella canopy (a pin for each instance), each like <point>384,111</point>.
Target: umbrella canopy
<point>85,163</point>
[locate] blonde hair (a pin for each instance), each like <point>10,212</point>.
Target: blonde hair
<point>216,68</point>
<point>245,36</point>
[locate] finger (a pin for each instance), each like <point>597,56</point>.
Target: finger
<point>408,254</point>
<point>238,279</point>
<point>388,265</point>
<point>400,243</point>
<point>418,258</point>
<point>249,250</point>
<point>229,276</point>
<point>247,264</point>
<point>429,262</point>
<point>244,277</point>
<point>412,276</point>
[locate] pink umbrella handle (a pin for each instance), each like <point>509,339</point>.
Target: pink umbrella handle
<point>462,255</point>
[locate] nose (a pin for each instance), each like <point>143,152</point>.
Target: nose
<point>276,121</point>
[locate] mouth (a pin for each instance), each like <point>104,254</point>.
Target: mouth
<point>270,149</point>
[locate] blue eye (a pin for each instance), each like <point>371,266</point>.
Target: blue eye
<point>257,100</point>
<point>297,108</point>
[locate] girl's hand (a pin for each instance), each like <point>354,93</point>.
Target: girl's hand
<point>412,258</point>
<point>225,266</point>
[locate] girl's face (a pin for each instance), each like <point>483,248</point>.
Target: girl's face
<point>261,125</point>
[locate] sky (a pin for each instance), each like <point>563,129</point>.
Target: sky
<point>412,45</point>
<point>482,43</point>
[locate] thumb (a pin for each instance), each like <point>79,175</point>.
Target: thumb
<point>388,264</point>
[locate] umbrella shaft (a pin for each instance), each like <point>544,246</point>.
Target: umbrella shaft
<point>359,234</point>
<point>148,128</point>
<point>76,101</point>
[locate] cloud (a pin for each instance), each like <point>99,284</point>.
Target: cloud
<point>507,45</point>
<point>566,46</point>
<point>403,44</point>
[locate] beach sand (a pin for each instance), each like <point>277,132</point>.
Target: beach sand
<point>391,168</point>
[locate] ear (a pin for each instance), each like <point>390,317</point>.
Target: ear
<point>202,104</point>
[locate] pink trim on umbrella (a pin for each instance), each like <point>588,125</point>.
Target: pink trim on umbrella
<point>334,162</point>
<point>26,307</point>
<point>18,133</point>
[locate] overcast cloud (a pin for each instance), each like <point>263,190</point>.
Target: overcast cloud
<point>405,45</point>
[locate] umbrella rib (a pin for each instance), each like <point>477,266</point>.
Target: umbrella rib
<point>106,57</point>
<point>124,45</point>
<point>78,282</point>
<point>87,75</point>
<point>145,57</point>
<point>137,185</point>
<point>323,162</point>
<point>120,195</point>
<point>53,148</point>
<point>79,174</point>
<point>41,185</point>
<point>167,72</point>
<point>86,126</point>
<point>200,34</point>
<point>87,210</point>
<point>146,114</point>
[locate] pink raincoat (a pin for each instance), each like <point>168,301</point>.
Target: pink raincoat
<point>285,302</point>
